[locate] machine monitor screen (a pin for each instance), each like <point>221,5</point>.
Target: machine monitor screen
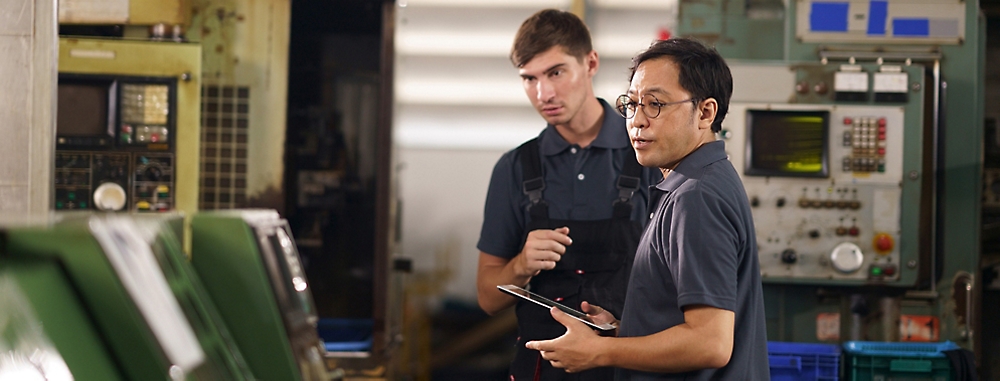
<point>787,143</point>
<point>84,108</point>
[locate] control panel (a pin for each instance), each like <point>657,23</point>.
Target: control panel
<point>112,181</point>
<point>825,184</point>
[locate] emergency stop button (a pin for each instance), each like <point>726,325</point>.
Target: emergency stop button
<point>883,243</point>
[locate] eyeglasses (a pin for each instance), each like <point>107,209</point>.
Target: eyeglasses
<point>651,106</point>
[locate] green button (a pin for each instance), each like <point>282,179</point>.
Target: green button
<point>876,271</point>
<point>59,205</point>
<point>83,205</point>
<point>71,196</point>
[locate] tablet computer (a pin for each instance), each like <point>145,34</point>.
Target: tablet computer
<point>547,303</point>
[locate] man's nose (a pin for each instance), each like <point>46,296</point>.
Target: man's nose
<point>545,91</point>
<point>639,120</point>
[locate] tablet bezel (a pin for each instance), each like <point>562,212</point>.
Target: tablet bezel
<point>548,303</point>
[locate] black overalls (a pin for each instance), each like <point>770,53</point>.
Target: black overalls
<point>595,268</point>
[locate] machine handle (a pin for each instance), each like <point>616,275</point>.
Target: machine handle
<point>967,333</point>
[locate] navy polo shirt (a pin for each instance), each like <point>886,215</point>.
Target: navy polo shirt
<point>580,184</point>
<point>699,248</point>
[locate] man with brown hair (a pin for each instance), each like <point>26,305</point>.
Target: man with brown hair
<point>564,210</point>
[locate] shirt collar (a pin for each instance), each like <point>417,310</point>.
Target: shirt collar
<point>692,164</point>
<point>612,134</point>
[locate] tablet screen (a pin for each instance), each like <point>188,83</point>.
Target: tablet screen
<point>547,303</point>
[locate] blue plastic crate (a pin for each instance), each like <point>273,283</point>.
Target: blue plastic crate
<point>346,335</point>
<point>803,361</point>
<point>868,360</point>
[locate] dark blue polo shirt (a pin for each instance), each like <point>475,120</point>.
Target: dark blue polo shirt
<point>699,248</point>
<point>580,184</point>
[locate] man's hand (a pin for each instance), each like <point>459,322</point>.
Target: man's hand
<point>598,314</point>
<point>575,350</point>
<point>542,249</point>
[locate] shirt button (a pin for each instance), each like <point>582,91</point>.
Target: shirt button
<point>580,176</point>
<point>559,299</point>
<point>572,150</point>
<point>579,272</point>
<point>651,215</point>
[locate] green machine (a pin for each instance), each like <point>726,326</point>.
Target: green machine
<point>866,193</point>
<point>250,266</point>
<point>109,297</point>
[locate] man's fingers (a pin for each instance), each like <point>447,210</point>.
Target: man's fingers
<point>563,318</point>
<point>540,345</point>
<point>563,230</point>
<point>560,235</point>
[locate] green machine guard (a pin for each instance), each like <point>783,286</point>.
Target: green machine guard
<point>251,268</point>
<point>115,297</point>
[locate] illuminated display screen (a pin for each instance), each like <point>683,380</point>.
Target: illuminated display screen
<point>787,143</point>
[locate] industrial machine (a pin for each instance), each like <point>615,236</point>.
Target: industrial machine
<point>251,267</point>
<point>113,297</point>
<point>856,130</point>
<point>834,192</point>
<point>127,127</point>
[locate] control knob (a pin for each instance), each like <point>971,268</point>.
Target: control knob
<point>789,256</point>
<point>847,257</point>
<point>109,197</point>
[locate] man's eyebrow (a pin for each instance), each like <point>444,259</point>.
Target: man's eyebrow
<point>554,68</point>
<point>546,71</point>
<point>656,90</point>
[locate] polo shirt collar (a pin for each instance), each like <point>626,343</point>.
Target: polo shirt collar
<point>612,134</point>
<point>693,163</point>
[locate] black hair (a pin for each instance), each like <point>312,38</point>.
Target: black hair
<point>702,71</point>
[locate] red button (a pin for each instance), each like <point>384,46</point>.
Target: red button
<point>154,138</point>
<point>848,121</point>
<point>881,151</point>
<point>881,136</point>
<point>579,272</point>
<point>881,130</point>
<point>881,122</point>
<point>889,270</point>
<point>854,231</point>
<point>883,243</point>
<point>559,299</point>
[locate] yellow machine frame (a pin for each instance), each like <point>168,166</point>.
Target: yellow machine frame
<point>161,59</point>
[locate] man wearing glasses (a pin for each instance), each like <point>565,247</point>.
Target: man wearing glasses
<point>564,211</point>
<point>694,309</point>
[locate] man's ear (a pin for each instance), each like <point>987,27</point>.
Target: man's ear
<point>707,109</point>
<point>593,62</point>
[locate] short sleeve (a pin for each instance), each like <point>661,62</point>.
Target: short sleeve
<point>705,250</point>
<point>503,218</point>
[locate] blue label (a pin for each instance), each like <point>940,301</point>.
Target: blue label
<point>828,17</point>
<point>911,27</point>
<point>878,12</point>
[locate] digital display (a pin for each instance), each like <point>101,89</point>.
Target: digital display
<point>83,109</point>
<point>787,143</point>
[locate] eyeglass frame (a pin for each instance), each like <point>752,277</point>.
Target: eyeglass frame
<point>621,107</point>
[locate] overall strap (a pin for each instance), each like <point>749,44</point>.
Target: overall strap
<point>628,183</point>
<point>534,184</point>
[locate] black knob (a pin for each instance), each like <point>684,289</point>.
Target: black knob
<point>788,256</point>
<point>153,173</point>
<point>814,234</point>
<point>754,201</point>
<point>780,202</point>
